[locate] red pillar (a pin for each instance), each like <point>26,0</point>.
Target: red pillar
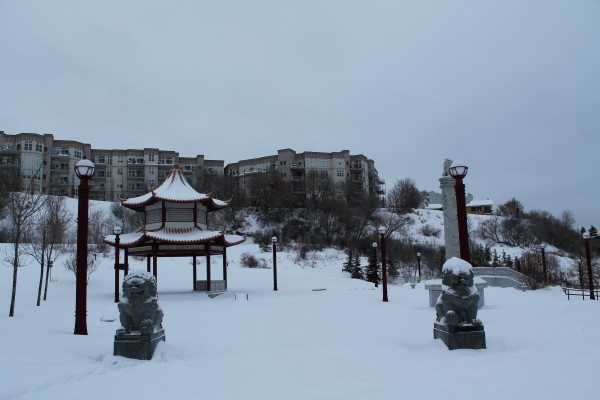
<point>225,265</point>
<point>208,278</point>
<point>117,254</point>
<point>195,272</point>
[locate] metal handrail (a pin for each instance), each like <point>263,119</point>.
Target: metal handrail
<point>501,271</point>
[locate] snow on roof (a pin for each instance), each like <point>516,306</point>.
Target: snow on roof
<point>480,203</point>
<point>183,235</point>
<point>175,189</point>
<point>457,266</point>
<point>126,239</point>
<point>174,235</point>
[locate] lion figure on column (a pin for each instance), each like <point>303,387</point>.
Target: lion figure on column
<point>138,308</point>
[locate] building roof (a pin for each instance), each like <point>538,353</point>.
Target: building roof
<point>480,203</point>
<point>174,189</point>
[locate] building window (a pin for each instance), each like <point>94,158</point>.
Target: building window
<point>340,173</point>
<point>28,145</point>
<point>109,173</point>
<point>151,157</point>
<point>151,171</point>
<point>39,147</point>
<point>77,153</point>
<point>151,182</point>
<point>165,161</point>
<point>119,171</point>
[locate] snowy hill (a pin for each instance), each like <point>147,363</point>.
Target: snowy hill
<point>296,343</point>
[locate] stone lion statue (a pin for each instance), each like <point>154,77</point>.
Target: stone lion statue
<point>457,304</point>
<point>138,308</point>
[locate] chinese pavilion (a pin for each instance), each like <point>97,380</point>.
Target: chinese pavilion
<point>176,225</point>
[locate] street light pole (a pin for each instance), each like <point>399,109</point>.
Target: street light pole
<point>458,170</point>
<point>375,264</point>
<point>545,270</point>
<point>117,232</point>
<point>586,239</point>
<point>419,265</point>
<point>84,170</point>
<point>274,241</point>
<point>382,231</point>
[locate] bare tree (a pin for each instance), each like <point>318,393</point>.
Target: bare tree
<point>48,239</point>
<point>97,221</point>
<point>127,219</point>
<point>71,262</point>
<point>21,209</point>
<point>404,196</point>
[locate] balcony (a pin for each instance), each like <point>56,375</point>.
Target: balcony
<point>60,153</point>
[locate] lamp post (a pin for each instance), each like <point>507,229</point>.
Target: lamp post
<point>544,268</point>
<point>382,230</point>
<point>85,170</point>
<point>581,279</point>
<point>586,239</point>
<point>375,264</point>
<point>274,241</point>
<point>419,265</point>
<point>458,170</point>
<point>117,232</point>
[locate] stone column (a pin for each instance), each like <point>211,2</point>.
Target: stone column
<point>452,242</point>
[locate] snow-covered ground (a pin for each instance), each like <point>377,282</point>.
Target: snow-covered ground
<point>296,343</point>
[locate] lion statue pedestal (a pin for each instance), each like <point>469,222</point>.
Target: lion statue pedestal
<point>456,309</point>
<point>140,316</point>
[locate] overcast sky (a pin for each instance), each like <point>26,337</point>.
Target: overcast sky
<point>512,88</point>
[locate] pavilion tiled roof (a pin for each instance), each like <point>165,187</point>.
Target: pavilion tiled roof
<point>174,189</point>
<point>174,236</point>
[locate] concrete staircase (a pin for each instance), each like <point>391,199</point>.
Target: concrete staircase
<point>502,277</point>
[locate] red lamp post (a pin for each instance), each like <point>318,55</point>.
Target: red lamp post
<point>458,170</point>
<point>419,265</point>
<point>375,264</point>
<point>274,241</point>
<point>117,232</point>
<point>586,239</point>
<point>85,170</point>
<point>544,268</point>
<point>382,230</point>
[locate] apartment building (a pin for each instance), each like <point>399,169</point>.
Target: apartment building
<point>306,171</point>
<point>47,164</point>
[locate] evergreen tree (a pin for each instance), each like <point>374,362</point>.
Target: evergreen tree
<point>506,260</point>
<point>488,256</point>
<point>495,259</point>
<point>478,256</point>
<point>371,271</point>
<point>348,264</point>
<point>356,272</point>
<point>393,269</point>
<point>593,231</point>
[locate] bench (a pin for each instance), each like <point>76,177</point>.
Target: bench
<point>579,292</point>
